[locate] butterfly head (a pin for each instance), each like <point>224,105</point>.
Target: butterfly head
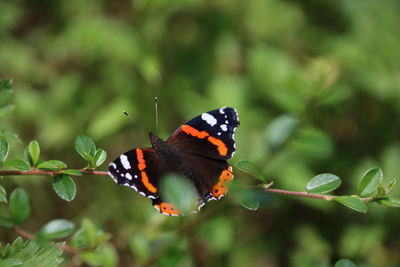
<point>155,140</point>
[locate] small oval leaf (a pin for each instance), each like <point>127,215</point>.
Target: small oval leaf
<point>56,229</point>
<point>34,151</point>
<point>352,203</point>
<point>250,168</point>
<point>52,165</point>
<point>323,183</point>
<point>370,182</point>
<point>85,146</point>
<point>17,164</point>
<point>72,172</point>
<point>99,157</point>
<point>64,186</point>
<point>280,130</point>
<point>3,150</point>
<point>179,191</point>
<point>390,202</point>
<point>19,206</point>
<point>3,195</point>
<point>345,263</point>
<point>250,204</point>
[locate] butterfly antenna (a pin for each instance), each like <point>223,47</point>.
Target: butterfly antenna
<point>156,107</point>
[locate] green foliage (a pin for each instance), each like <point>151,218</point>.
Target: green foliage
<point>17,164</point>
<point>3,195</point>
<point>27,254</point>
<point>370,182</point>
<point>180,192</point>
<point>52,165</point>
<point>3,150</point>
<point>323,183</point>
<point>345,263</point>
<point>34,152</point>
<point>56,229</point>
<point>85,146</point>
<point>89,236</point>
<point>250,168</point>
<point>19,206</point>
<point>353,203</point>
<point>64,186</point>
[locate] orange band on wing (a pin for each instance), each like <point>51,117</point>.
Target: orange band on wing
<point>168,209</point>
<point>220,189</point>
<point>221,147</point>
<point>140,158</point>
<point>147,184</point>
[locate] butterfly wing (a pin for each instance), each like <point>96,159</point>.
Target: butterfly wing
<point>137,169</point>
<point>206,142</point>
<point>211,134</point>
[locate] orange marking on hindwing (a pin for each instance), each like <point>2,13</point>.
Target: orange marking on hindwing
<point>140,158</point>
<point>221,147</point>
<point>149,186</point>
<point>220,189</point>
<point>168,209</point>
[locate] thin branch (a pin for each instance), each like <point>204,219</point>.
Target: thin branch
<point>50,173</point>
<point>298,194</point>
<point>104,173</point>
<point>25,234</point>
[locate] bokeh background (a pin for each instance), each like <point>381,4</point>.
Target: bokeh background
<point>331,68</point>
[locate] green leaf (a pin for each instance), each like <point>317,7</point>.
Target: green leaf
<point>19,206</point>
<point>52,165</point>
<point>6,222</point>
<point>6,110</point>
<point>390,202</point>
<point>31,254</point>
<point>93,258</point>
<point>250,168</point>
<point>72,172</point>
<point>17,164</point>
<point>250,204</point>
<point>323,183</point>
<point>64,186</point>
<point>28,157</point>
<point>3,195</point>
<point>56,229</point>
<point>10,262</point>
<point>345,263</point>
<point>180,192</point>
<point>99,157</point>
<point>34,151</point>
<point>3,150</point>
<point>370,182</point>
<point>6,84</point>
<point>353,203</point>
<point>85,147</point>
<point>391,186</point>
<point>280,130</point>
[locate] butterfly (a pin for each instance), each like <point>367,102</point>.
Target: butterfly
<point>197,150</point>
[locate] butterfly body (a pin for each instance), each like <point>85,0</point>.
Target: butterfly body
<point>198,150</point>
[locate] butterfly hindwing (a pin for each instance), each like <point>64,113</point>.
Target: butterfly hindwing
<point>211,176</point>
<point>210,134</point>
<point>138,169</point>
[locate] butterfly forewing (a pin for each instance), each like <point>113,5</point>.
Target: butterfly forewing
<point>138,169</point>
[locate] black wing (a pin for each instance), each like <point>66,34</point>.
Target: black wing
<point>138,169</point>
<point>211,134</point>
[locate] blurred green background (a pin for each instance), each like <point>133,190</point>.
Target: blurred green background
<point>331,68</point>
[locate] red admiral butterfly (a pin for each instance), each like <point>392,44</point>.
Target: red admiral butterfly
<point>198,150</point>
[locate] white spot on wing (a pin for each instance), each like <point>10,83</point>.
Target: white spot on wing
<point>128,176</point>
<point>135,176</point>
<point>222,110</point>
<point>224,127</point>
<point>210,119</point>
<point>124,161</point>
<point>113,165</point>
